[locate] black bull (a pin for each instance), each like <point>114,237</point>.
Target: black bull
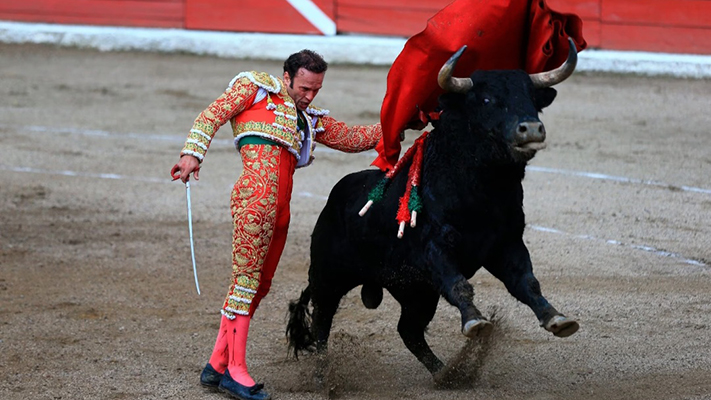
<point>472,198</point>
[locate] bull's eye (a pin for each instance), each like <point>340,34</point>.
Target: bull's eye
<point>486,100</point>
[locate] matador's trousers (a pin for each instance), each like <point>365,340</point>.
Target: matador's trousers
<point>260,216</point>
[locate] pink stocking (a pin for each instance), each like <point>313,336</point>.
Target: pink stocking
<point>237,345</point>
<point>220,354</point>
<point>231,349</point>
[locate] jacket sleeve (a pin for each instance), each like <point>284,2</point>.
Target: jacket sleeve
<point>234,100</point>
<point>337,135</point>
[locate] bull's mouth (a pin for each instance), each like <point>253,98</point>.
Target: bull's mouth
<point>526,151</point>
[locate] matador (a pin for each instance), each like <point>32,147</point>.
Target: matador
<point>275,129</point>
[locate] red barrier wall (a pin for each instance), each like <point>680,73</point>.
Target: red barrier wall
<point>151,13</point>
<point>588,11</point>
<point>386,17</point>
<point>674,26</point>
<point>656,25</point>
<point>272,16</point>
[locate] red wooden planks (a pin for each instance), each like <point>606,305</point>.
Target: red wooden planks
<point>149,13</point>
<point>676,13</point>
<point>422,5</point>
<point>681,26</point>
<point>386,17</point>
<point>592,33</point>
<point>327,6</point>
<point>407,17</point>
<point>676,26</point>
<point>585,9</point>
<point>406,22</point>
<point>273,16</point>
<point>656,39</point>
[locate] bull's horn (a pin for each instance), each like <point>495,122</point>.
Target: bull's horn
<point>449,83</point>
<point>558,75</point>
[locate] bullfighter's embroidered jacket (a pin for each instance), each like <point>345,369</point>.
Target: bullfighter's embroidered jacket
<point>257,104</point>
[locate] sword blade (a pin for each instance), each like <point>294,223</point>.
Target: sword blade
<point>190,228</point>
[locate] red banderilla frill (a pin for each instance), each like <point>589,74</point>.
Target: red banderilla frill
<point>410,202</point>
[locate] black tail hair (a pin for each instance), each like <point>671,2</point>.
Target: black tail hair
<point>298,330</point>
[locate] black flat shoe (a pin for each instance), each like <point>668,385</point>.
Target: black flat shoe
<point>237,390</point>
<point>210,378</point>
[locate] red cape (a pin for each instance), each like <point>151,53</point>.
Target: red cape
<point>499,34</point>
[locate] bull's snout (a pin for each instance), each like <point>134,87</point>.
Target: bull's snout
<point>530,132</point>
<point>529,137</point>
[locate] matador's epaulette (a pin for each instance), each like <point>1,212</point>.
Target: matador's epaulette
<point>319,112</point>
<point>261,79</point>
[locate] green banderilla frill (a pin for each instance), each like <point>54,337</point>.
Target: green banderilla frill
<point>410,203</point>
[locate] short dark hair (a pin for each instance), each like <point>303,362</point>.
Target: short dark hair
<point>307,59</point>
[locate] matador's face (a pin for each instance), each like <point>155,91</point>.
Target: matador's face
<point>304,87</point>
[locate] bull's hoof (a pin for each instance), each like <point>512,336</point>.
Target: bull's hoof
<point>444,377</point>
<point>562,326</point>
<point>477,328</point>
<point>455,372</point>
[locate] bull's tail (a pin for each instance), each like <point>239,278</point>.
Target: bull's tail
<point>298,329</point>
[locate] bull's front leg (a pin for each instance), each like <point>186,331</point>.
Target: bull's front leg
<point>513,267</point>
<point>452,285</point>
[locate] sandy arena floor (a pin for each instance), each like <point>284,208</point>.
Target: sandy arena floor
<point>97,299</point>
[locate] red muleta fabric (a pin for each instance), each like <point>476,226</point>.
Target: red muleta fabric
<point>499,34</point>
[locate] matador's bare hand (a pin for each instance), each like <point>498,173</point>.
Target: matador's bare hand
<point>186,166</point>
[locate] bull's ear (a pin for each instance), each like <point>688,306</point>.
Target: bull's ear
<point>544,97</point>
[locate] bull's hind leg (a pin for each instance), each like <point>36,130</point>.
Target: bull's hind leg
<point>418,306</point>
<point>325,307</point>
<point>515,270</point>
<point>325,304</point>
